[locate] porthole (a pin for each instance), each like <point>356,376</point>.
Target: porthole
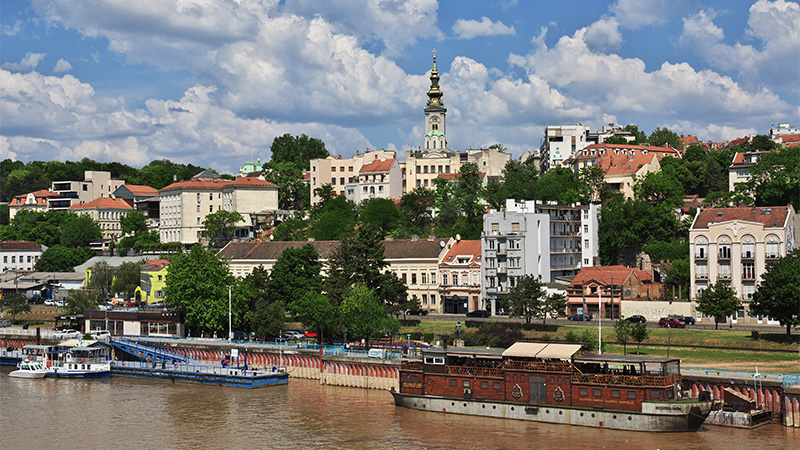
<point>415,405</point>
<point>494,406</point>
<point>629,418</point>
<point>452,403</point>
<point>465,405</point>
<point>592,415</point>
<point>581,414</point>
<point>615,417</point>
<point>512,408</point>
<point>547,411</point>
<point>560,413</point>
<point>483,406</point>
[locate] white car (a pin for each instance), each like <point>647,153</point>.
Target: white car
<point>67,334</point>
<point>293,335</point>
<point>50,302</point>
<point>101,335</point>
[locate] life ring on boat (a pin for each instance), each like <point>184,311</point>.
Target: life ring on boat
<point>80,360</point>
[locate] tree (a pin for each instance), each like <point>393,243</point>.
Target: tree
<point>296,272</point>
<point>333,218</point>
<point>127,278</point>
<point>317,312</point>
<point>623,331</point>
<point>778,294</point>
<point>101,280</point>
<point>393,292</point>
<point>221,224</point>
<point>298,150</point>
<point>519,183</point>
<point>659,188</point>
<point>358,260</point>
<point>293,192</point>
<point>415,209</point>
<point>266,314</point>
<point>468,194</point>
<point>133,222</point>
<point>364,315</point>
<point>446,209</point>
<point>639,334</point>
<point>526,298</point>
<point>664,136</point>
<point>381,214</point>
<point>17,304</point>
<point>553,305</point>
<point>61,259</point>
<point>197,285</point>
<point>80,231</point>
<point>294,228</point>
<point>639,136</point>
<point>774,179</point>
<point>79,300</point>
<point>559,185</point>
<point>592,184</point>
<point>627,225</point>
<point>719,300</point>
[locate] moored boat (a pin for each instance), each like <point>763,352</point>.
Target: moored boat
<point>553,383</point>
<point>29,369</point>
<point>64,361</point>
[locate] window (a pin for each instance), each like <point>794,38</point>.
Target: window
<point>341,180</point>
<point>655,394</point>
<point>583,391</point>
<point>772,249</point>
<point>586,228</point>
<point>333,169</point>
<point>424,278</point>
<point>702,271</point>
<point>210,208</point>
<point>419,169</point>
<point>424,299</point>
<point>725,251</point>
<point>433,277</point>
<point>748,270</point>
<point>496,227</point>
<point>404,277</point>
<point>433,299</point>
<point>424,169</point>
<point>632,394</point>
<point>413,278</point>
<point>515,226</point>
<point>211,196</point>
<point>496,385</point>
<point>724,271</point>
<point>748,250</point>
<point>453,383</point>
<point>701,251</point>
<point>474,278</point>
<point>614,393</point>
<point>485,384</point>
<point>333,181</point>
<point>597,393</point>
<point>465,383</point>
<point>444,279</point>
<point>446,169</point>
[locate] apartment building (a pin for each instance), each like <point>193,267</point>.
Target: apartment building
<point>37,201</point>
<point>460,282</point>
<point>339,172</point>
<point>381,178</point>
<point>535,238</point>
<point>184,205</point>
<point>20,256</point>
<point>739,170</point>
<point>422,167</point>
<point>96,184</point>
<point>107,212</point>
<point>561,142</point>
<point>735,245</point>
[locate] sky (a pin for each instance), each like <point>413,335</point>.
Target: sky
<point>213,82</point>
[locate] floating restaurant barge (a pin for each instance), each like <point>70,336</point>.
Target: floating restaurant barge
<point>549,383</point>
<point>209,374</point>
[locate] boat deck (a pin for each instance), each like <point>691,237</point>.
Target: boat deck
<point>210,374</point>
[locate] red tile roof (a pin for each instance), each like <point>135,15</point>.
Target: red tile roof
<point>414,248</point>
<point>154,265</point>
<point>103,202</point>
<point>738,158</point>
<point>41,197</point>
<point>455,176</point>
<point>619,159</point>
<point>250,181</point>
<point>738,141</point>
<point>464,248</point>
<point>770,217</point>
<point>605,274</point>
<point>216,183</point>
<point>689,140</point>
<point>20,245</point>
<point>379,165</point>
<point>141,190</point>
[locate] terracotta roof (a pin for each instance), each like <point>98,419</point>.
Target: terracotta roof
<point>624,164</point>
<point>141,190</point>
<point>20,245</point>
<point>103,202</point>
<point>414,248</point>
<point>661,151</point>
<point>770,217</point>
<point>464,248</point>
<point>250,181</point>
<point>689,140</point>
<point>738,141</point>
<point>455,176</point>
<point>154,265</point>
<point>196,184</point>
<point>738,158</point>
<point>41,197</point>
<point>604,275</point>
<point>379,165</point>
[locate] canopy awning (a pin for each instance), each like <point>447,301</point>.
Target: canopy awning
<point>540,350</point>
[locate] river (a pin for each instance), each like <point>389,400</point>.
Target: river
<point>143,414</point>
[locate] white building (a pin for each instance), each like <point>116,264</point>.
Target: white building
<point>33,201</point>
<point>96,184</point>
<point>561,142</point>
<point>381,178</point>
<point>339,172</point>
<point>20,256</point>
<point>107,212</point>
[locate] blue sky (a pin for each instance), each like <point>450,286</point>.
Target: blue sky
<point>212,82</point>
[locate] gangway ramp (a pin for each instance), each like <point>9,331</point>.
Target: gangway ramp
<point>146,352</point>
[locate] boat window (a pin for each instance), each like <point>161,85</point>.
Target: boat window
<point>485,384</point>
<point>515,377</point>
<point>552,380</point>
<point>655,394</point>
<point>452,383</point>
<point>673,368</point>
<point>631,394</point>
<point>584,391</point>
<point>466,383</point>
<point>415,379</point>
<point>434,360</point>
<point>615,393</point>
<point>522,378</point>
<point>597,392</point>
<point>405,377</point>
<point>496,385</point>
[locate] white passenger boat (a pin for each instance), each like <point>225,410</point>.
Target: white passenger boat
<point>29,369</point>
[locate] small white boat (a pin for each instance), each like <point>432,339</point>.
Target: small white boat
<point>29,369</point>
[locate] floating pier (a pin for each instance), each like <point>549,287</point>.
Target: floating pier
<point>200,374</point>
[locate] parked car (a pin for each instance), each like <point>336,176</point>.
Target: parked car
<point>105,306</point>
<point>417,312</point>
<point>309,334</point>
<point>101,335</point>
<point>478,313</point>
<point>293,335</point>
<point>670,322</point>
<point>67,334</point>
<point>36,300</point>
<point>158,304</point>
<point>240,336</point>
<point>636,319</point>
<point>685,319</point>
<point>49,302</point>
<point>580,317</point>
<point>59,303</point>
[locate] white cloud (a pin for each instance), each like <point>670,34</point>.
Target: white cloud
<point>28,62</point>
<point>603,35</point>
<point>11,30</point>
<point>775,25</point>
<point>634,14</point>
<point>62,65</point>
<point>469,29</point>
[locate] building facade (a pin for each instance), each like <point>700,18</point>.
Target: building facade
<point>739,170</point>
<point>460,281</point>
<point>416,262</point>
<point>20,256</point>
<point>339,172</point>
<point>561,142</point>
<point>381,178</point>
<point>107,212</point>
<point>37,201</point>
<point>152,281</point>
<point>600,291</point>
<point>735,245</point>
<point>96,184</point>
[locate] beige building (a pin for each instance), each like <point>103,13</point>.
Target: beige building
<point>734,245</point>
<point>108,212</point>
<point>96,184</point>
<point>739,170</point>
<point>460,280</point>
<point>33,201</point>
<point>623,164</point>
<point>184,205</point>
<point>422,167</point>
<point>339,172</point>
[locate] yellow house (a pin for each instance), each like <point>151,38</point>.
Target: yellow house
<point>152,281</point>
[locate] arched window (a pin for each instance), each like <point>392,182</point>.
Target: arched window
<point>444,279</point>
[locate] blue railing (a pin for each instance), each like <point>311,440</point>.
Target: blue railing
<point>787,379</point>
<point>329,350</point>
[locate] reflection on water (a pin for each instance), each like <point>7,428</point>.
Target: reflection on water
<point>143,414</point>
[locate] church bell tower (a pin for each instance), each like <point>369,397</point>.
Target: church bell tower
<point>435,111</point>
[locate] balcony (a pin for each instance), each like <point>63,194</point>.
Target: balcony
<point>724,276</point>
<point>491,272</point>
<point>701,276</point>
<point>700,257</point>
<point>772,257</point>
<point>502,250</point>
<point>748,275</point>
<point>747,256</point>
<point>502,268</point>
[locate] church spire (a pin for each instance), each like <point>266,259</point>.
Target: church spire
<point>434,93</point>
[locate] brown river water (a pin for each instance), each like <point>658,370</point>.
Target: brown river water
<point>143,414</point>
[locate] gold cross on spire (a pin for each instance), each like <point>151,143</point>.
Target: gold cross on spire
<point>434,54</point>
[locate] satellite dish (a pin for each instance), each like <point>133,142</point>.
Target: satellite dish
<point>441,244</point>
<point>458,237</point>
<point>271,237</point>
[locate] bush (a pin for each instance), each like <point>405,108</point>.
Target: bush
<point>409,322</point>
<point>427,337</point>
<point>540,327</point>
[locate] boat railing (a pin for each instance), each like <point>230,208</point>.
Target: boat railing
<point>474,371</point>
<point>543,366</point>
<point>199,368</point>
<point>626,380</point>
<point>787,379</point>
<point>411,365</point>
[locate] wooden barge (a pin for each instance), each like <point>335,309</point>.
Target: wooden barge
<point>552,383</point>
